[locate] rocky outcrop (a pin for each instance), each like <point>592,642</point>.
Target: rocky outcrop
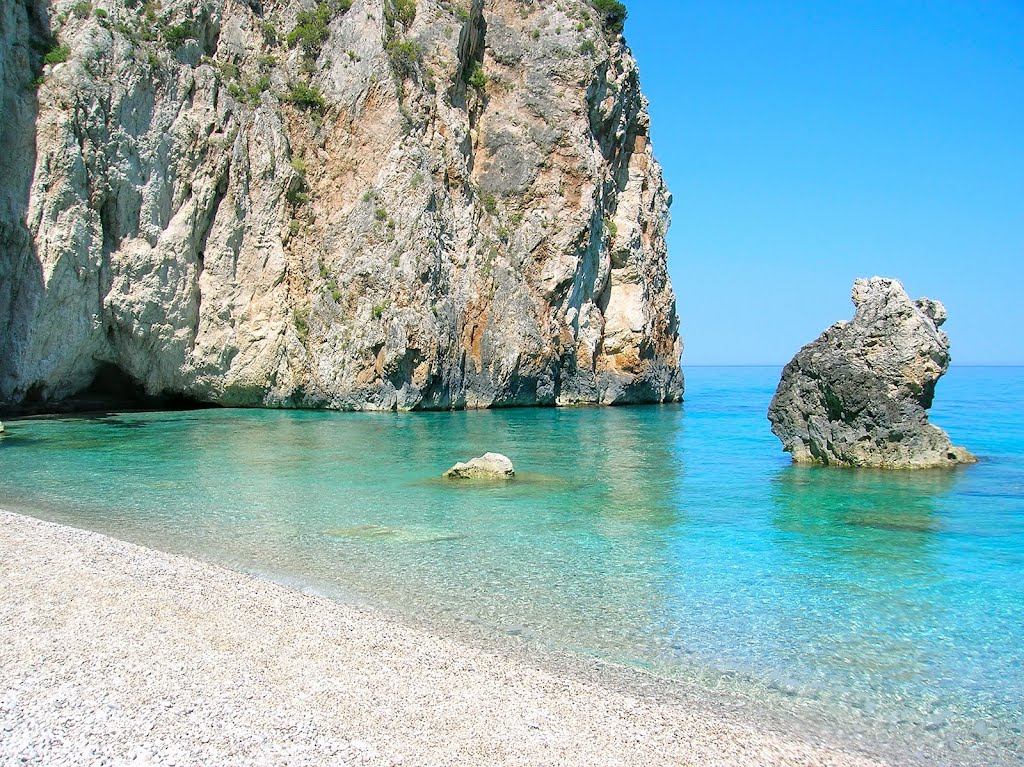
<point>859,394</point>
<point>365,204</point>
<point>487,466</point>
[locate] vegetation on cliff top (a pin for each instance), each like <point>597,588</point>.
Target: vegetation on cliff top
<point>613,14</point>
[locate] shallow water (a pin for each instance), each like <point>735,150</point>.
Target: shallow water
<point>886,608</point>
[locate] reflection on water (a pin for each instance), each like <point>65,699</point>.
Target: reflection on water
<point>890,604</point>
<point>862,549</point>
<point>676,539</point>
<point>862,521</point>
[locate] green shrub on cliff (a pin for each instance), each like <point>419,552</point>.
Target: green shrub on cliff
<point>405,11</point>
<point>270,36</point>
<point>612,13</point>
<point>57,55</point>
<point>312,28</point>
<point>301,322</point>
<point>176,35</point>
<point>306,96</point>
<point>611,228</point>
<point>477,77</point>
<point>405,57</point>
<point>335,291</point>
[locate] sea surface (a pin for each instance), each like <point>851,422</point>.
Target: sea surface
<point>883,609</point>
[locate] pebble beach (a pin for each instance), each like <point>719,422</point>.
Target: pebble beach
<point>113,654</point>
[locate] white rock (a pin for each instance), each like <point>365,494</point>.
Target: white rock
<point>487,466</point>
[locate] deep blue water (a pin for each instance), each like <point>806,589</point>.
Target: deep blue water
<point>886,607</point>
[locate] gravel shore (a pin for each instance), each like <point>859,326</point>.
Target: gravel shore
<point>112,654</point>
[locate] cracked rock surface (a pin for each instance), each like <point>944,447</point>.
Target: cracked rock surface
<point>859,394</point>
<point>456,205</point>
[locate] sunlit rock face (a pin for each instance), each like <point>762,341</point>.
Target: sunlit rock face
<point>413,205</point>
<point>859,394</point>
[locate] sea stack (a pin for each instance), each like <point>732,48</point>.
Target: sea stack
<point>859,394</point>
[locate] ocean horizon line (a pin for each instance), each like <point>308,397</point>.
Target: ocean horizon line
<point>783,364</point>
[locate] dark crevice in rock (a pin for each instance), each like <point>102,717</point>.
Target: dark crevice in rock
<point>111,389</point>
<point>208,32</point>
<point>471,52</point>
<point>109,226</point>
<point>21,273</point>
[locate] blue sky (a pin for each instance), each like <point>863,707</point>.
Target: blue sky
<point>807,144</point>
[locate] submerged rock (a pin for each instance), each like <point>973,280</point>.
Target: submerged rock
<point>372,532</point>
<point>859,394</point>
<point>488,466</point>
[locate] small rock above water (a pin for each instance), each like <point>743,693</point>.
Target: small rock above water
<point>859,394</point>
<point>487,466</point>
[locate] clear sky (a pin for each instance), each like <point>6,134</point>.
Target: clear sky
<point>809,143</point>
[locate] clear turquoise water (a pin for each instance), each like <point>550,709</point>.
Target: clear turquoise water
<point>887,608</point>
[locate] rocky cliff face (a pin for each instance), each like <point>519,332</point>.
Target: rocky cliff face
<point>859,394</point>
<point>372,204</point>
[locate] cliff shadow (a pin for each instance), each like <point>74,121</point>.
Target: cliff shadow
<point>869,522</point>
<point>111,391</point>
<point>25,39</point>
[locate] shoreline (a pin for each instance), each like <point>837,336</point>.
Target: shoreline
<point>115,652</point>
<point>121,408</point>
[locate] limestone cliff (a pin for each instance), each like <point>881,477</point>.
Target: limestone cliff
<point>372,204</point>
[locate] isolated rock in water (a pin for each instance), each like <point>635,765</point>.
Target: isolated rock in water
<point>859,394</point>
<point>454,205</point>
<point>488,466</point>
<point>2,429</point>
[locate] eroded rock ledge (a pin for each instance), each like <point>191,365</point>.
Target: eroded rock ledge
<point>376,205</point>
<point>859,394</point>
